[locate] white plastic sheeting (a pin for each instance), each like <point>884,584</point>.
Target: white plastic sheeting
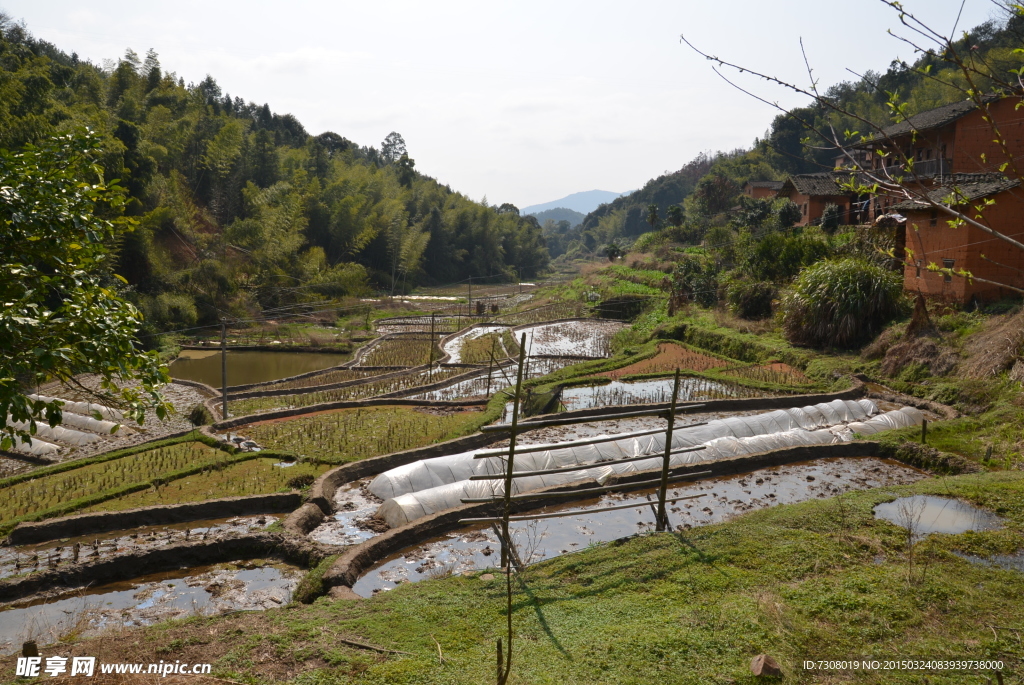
<point>37,448</point>
<point>88,423</point>
<point>55,433</point>
<point>449,483</point>
<point>430,473</point>
<point>84,408</point>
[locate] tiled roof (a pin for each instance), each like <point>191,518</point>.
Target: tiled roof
<point>964,187</point>
<point>771,185</point>
<point>822,183</point>
<point>932,118</point>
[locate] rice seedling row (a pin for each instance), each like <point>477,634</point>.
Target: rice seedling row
<point>324,378</point>
<point>253,477</point>
<point>402,351</point>
<point>362,391</point>
<point>353,434</point>
<point>45,492</point>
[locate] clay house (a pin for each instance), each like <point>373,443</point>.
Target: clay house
<point>991,261</point>
<point>952,139</point>
<point>812,192</point>
<point>760,190</point>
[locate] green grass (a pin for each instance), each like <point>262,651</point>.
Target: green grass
<point>256,476</point>
<point>818,580</point>
<point>352,434</point>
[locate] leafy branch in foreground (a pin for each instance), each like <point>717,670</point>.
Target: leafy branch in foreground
<point>61,315</point>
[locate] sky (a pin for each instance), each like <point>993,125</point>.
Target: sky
<point>522,102</point>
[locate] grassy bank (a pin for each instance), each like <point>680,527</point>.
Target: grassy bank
<point>818,580</point>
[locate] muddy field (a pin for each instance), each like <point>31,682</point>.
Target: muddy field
<point>476,547</point>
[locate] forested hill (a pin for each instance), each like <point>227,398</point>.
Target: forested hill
<point>239,208</point>
<point>710,183</point>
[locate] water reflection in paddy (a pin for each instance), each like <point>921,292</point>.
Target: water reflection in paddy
<point>249,366</point>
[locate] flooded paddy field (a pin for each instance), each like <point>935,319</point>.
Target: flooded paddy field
<point>207,590</point>
<point>618,393</point>
<point>249,366</point>
<point>587,338</point>
<point>19,559</point>
<point>476,547</point>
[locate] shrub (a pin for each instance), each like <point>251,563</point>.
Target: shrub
<point>841,303</point>
<point>830,218</point>
<point>751,300</point>
<point>199,415</point>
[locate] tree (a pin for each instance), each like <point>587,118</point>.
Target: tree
<point>613,251</point>
<point>675,215</point>
<point>652,216</point>
<point>788,213</point>
<point>393,147</point>
<point>62,316</point>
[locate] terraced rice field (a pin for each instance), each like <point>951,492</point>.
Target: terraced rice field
<point>401,351</point>
<point>669,357</point>
<point>325,378</point>
<point>619,393</point>
<point>778,373</point>
<point>366,390</point>
<point>40,494</point>
<point>352,434</point>
<point>253,477</point>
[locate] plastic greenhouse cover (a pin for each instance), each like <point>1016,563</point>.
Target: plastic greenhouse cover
<point>429,473</point>
<point>413,505</point>
<point>36,448</point>
<point>48,432</point>
<point>84,408</point>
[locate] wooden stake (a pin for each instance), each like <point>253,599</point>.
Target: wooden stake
<point>224,368</point>
<point>924,432</point>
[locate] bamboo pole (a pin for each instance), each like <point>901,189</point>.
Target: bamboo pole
<point>506,540</point>
<point>577,512</point>
<point>530,425</point>
<point>584,491</point>
<point>584,467</point>
<point>662,514</point>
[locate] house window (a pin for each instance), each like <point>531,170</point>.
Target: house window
<point>929,153</point>
<point>917,265</point>
<point>934,220</point>
<point>947,264</point>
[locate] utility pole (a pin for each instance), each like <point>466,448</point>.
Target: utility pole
<point>469,307</point>
<point>224,367</point>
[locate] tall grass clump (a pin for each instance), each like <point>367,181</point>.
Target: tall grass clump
<point>841,303</point>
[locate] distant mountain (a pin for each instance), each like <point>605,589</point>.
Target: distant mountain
<point>584,202</point>
<point>560,214</point>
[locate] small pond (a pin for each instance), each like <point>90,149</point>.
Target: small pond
<point>207,590</point>
<point>476,547</point>
<point>924,514</point>
<point>249,366</point>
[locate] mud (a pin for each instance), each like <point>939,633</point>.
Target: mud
<point>926,514</point>
<point>15,560</point>
<point>475,547</point>
<point>208,590</point>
